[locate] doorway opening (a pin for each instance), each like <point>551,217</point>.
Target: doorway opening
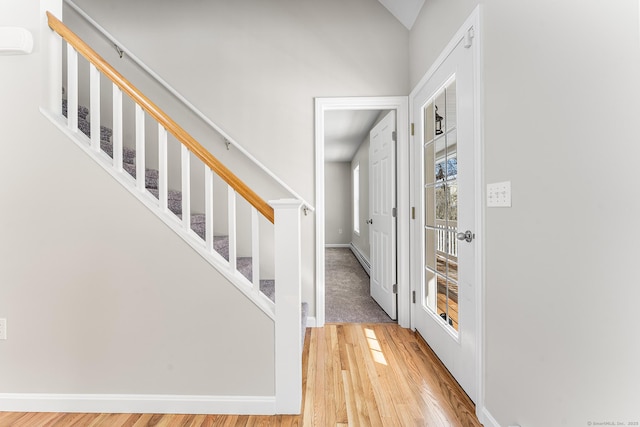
<point>349,297</point>
<point>327,230</point>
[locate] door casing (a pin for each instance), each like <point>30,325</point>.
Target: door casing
<point>401,106</point>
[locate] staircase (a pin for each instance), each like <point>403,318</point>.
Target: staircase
<point>173,206</point>
<point>198,220</point>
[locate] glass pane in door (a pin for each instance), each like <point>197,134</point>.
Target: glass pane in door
<point>441,206</point>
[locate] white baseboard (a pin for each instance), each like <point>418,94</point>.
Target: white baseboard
<point>364,262</point>
<point>336,245</point>
<point>137,403</point>
<point>487,419</point>
<point>311,322</point>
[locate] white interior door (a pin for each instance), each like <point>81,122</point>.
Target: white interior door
<point>382,204</point>
<point>443,117</point>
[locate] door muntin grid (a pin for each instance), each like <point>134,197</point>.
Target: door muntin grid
<point>441,206</point>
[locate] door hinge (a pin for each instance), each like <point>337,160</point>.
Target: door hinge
<point>413,296</point>
<point>394,136</point>
<point>413,212</point>
<point>394,212</point>
<point>395,288</point>
<point>411,129</point>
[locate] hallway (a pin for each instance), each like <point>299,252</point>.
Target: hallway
<point>347,296</point>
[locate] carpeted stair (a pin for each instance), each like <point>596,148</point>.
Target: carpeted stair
<point>220,243</point>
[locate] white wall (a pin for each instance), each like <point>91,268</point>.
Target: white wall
<point>361,241</point>
<point>255,67</point>
<point>338,209</point>
<point>99,295</point>
<point>561,110</point>
<point>436,24</point>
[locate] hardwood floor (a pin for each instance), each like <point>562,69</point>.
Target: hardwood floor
<point>354,375</point>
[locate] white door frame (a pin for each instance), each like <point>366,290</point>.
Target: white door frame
<point>401,106</point>
<point>475,37</point>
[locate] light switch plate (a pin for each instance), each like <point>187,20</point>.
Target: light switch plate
<point>499,195</point>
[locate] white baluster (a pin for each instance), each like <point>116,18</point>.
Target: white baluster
<point>208,207</point>
<point>72,88</point>
<point>141,174</point>
<point>117,128</point>
<point>231,197</point>
<point>163,191</point>
<point>255,248</point>
<point>94,88</point>
<point>186,187</point>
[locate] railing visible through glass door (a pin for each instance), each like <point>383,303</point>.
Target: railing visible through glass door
<point>441,206</point>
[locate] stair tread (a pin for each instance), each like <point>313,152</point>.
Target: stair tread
<point>83,112</point>
<point>174,199</point>
<point>83,123</point>
<point>151,175</point>
<point>128,154</point>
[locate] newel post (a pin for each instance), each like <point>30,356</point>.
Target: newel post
<point>51,45</point>
<point>288,334</point>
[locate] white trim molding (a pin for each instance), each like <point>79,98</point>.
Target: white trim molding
<point>337,245</point>
<point>311,322</point>
<point>138,403</point>
<point>487,419</point>
<point>401,106</point>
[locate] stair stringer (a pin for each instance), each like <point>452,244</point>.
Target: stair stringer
<point>172,221</point>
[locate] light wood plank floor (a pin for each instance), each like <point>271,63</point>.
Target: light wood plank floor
<point>354,375</point>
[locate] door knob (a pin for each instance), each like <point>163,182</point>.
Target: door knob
<point>370,221</point>
<point>467,236</point>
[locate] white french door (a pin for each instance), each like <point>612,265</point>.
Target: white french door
<point>445,197</point>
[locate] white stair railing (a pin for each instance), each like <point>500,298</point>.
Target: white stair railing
<point>227,138</point>
<point>285,214</point>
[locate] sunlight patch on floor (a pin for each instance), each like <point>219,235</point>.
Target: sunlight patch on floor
<point>374,346</point>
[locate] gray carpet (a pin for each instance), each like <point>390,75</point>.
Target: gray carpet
<point>347,298</point>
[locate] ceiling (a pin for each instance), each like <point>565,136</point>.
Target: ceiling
<point>406,11</point>
<point>344,131</point>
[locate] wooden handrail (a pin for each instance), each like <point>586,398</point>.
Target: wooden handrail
<point>161,117</point>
